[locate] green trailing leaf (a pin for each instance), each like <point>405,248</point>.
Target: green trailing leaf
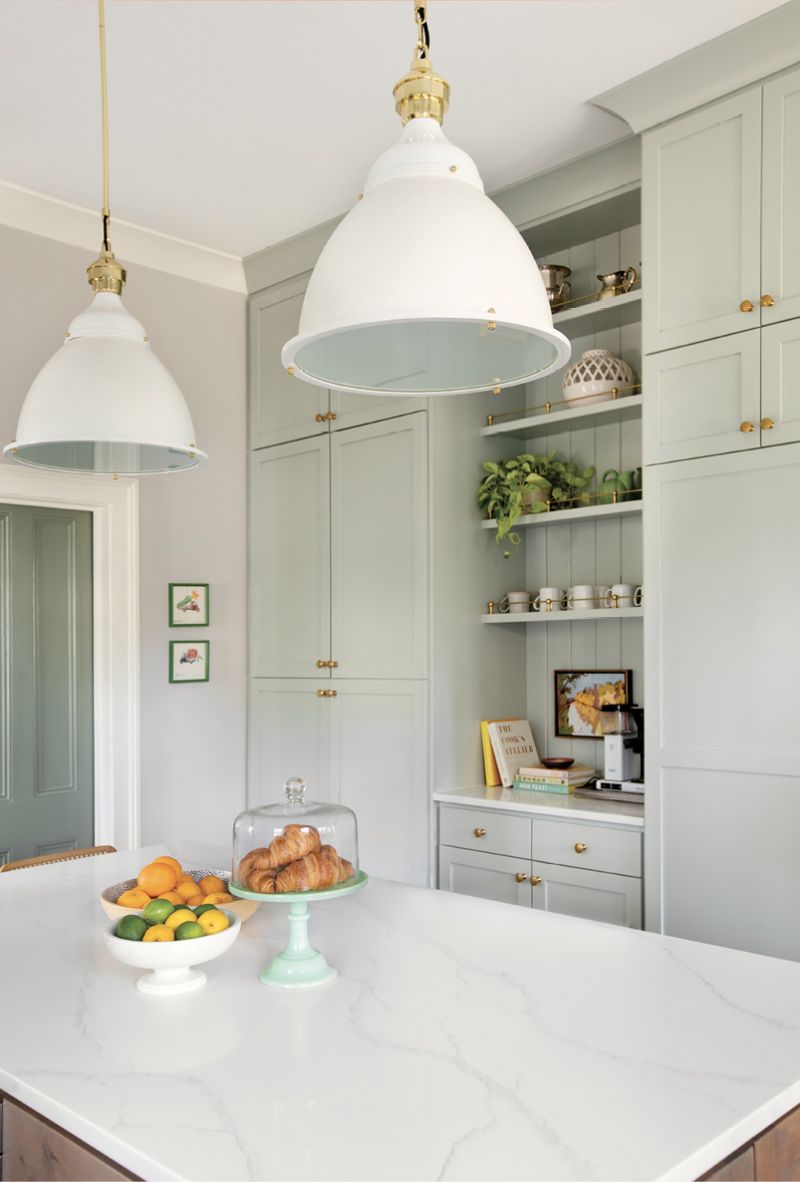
<point>530,484</point>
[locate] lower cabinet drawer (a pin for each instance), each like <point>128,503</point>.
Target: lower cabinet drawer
<point>479,829</point>
<point>588,847</point>
<point>488,876</point>
<point>587,894</point>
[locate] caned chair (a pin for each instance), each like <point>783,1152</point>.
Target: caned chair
<point>67,855</point>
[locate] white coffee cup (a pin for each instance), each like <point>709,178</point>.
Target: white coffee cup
<point>516,601</point>
<point>549,599</point>
<point>623,595</point>
<point>600,593</point>
<point>581,597</point>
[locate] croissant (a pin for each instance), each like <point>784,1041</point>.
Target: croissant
<point>295,842</point>
<point>314,872</point>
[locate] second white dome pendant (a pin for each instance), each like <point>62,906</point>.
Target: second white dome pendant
<point>425,287</point>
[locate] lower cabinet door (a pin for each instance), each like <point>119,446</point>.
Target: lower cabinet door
<point>780,396</point>
<point>489,876</point>
<point>587,894</point>
<point>289,735</point>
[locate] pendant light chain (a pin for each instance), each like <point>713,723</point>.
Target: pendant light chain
<point>106,212</point>
<point>423,32</point>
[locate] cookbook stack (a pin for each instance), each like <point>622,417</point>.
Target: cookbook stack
<point>557,780</point>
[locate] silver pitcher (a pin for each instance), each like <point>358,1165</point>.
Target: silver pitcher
<point>556,283</point>
<point>616,282</point>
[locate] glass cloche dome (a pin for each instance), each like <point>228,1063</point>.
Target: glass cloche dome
<point>294,845</point>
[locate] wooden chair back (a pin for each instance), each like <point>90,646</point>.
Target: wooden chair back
<point>67,855</point>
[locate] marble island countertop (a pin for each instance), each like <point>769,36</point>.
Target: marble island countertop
<point>545,804</point>
<point>464,1039</point>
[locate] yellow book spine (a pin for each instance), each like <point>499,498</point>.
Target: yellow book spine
<point>491,774</point>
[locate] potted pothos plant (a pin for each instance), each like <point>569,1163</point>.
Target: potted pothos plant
<point>530,484</point>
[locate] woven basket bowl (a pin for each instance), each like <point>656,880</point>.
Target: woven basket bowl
<point>595,375</point>
<point>244,908</point>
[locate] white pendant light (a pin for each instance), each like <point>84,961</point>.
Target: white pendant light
<point>425,287</point>
<point>104,402</point>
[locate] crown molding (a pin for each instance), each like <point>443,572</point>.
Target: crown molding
<point>738,58</point>
<point>48,217</point>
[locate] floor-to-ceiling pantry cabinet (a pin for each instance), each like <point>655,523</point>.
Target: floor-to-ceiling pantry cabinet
<point>721,191</point>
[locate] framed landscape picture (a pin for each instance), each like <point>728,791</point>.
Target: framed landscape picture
<point>580,694</point>
<point>188,605</point>
<point>188,660</point>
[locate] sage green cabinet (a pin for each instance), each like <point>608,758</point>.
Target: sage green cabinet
<point>780,382</point>
<point>499,877</point>
<point>781,198</point>
<point>587,894</point>
<point>701,223</point>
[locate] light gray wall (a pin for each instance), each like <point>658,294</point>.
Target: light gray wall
<point>193,525</point>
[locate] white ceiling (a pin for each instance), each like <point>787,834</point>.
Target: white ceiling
<point>237,123</point>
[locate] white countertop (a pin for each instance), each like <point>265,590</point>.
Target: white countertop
<point>546,804</point>
<point>464,1039</point>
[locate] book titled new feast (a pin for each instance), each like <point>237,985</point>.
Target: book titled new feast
<point>512,747</point>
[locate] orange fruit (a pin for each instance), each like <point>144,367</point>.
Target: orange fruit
<point>133,898</point>
<point>218,897</point>
<point>179,916</point>
<point>211,884</point>
<point>156,878</point>
<point>186,888</point>
<point>159,933</point>
<point>172,897</point>
<point>173,862</point>
<point>194,901</point>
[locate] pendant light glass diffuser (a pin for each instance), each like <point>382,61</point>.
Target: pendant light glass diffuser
<point>104,403</point>
<point>425,287</point>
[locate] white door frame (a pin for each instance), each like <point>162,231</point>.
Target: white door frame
<point>114,505</point>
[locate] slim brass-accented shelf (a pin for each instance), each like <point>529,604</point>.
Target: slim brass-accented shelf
<point>568,617</point>
<point>597,414</point>
<point>596,315</point>
<point>567,516</point>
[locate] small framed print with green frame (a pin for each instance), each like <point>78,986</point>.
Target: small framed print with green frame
<point>188,605</point>
<point>188,661</point>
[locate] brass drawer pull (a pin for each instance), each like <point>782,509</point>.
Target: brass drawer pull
<point>326,693</point>
<point>767,301</point>
<point>535,880</point>
<point>746,306</point>
<point>520,877</point>
<point>479,832</point>
<point>746,426</point>
<point>581,847</point>
<point>767,424</point>
<point>327,664</point>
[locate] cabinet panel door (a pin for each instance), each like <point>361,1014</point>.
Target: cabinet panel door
<point>780,381</point>
<point>379,549</point>
<point>702,223</point>
<point>587,894</point>
<point>290,559</point>
<point>281,407</point>
<point>379,768</point>
<point>355,410</point>
<point>488,876</point>
<point>289,735</point>
<point>697,398</point>
<point>780,264</point>
<point>479,830</point>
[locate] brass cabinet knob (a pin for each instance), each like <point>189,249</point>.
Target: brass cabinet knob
<point>535,880</point>
<point>767,301</point>
<point>479,832</point>
<point>520,877</point>
<point>322,664</point>
<point>321,418</point>
<point>746,426</point>
<point>327,664</point>
<point>581,847</point>
<point>767,424</point>
<point>326,693</point>
<point>331,416</point>
<point>746,306</point>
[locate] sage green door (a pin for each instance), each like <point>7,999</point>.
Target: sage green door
<point>46,741</point>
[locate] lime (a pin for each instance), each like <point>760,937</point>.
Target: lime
<point>157,910</point>
<point>205,907</point>
<point>189,931</point>
<point>133,927</point>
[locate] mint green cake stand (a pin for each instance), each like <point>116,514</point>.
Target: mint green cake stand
<point>300,965</point>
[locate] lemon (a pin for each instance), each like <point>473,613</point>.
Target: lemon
<point>213,921</point>
<point>179,916</point>
<point>159,933</point>
<point>188,931</point>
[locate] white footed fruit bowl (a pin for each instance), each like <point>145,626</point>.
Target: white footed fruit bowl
<point>171,962</point>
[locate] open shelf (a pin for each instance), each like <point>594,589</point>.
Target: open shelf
<point>596,414</point>
<point>567,516</point>
<point>568,617</point>
<point>595,315</point>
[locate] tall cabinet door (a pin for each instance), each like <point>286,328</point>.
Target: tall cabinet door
<point>780,389</point>
<point>781,196</point>
<point>723,747</point>
<point>355,410</point>
<point>289,735</point>
<point>281,407</point>
<point>290,559</point>
<point>379,549</point>
<point>702,223</point>
<point>379,769</point>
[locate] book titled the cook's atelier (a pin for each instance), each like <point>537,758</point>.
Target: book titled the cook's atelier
<point>513,746</point>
